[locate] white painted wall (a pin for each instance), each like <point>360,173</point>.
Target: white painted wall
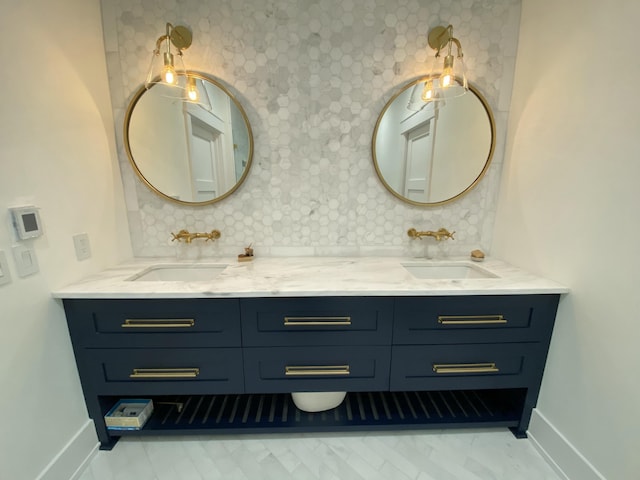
<point>57,151</point>
<point>569,210</point>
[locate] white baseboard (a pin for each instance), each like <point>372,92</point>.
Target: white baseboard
<point>74,457</point>
<point>563,457</point>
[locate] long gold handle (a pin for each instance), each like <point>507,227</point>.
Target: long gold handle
<point>165,373</point>
<point>158,323</point>
<point>316,321</point>
<point>465,367</point>
<point>310,370</point>
<point>471,319</point>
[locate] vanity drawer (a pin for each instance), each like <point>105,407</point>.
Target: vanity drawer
<point>474,319</point>
<point>292,369</point>
<point>435,367</point>
<point>154,323</point>
<point>163,370</point>
<point>316,321</point>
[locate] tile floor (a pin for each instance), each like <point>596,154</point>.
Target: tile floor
<point>431,455</point>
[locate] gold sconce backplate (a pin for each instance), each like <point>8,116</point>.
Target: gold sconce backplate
<point>181,37</point>
<point>438,37</point>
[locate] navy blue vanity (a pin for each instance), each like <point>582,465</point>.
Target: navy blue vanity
<point>227,365</point>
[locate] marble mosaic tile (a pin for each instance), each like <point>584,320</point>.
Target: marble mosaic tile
<point>313,77</point>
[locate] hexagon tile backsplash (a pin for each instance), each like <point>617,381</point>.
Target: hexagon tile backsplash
<point>313,76</point>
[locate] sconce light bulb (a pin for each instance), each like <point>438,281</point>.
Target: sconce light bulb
<point>192,89</point>
<point>447,80</point>
<point>169,75</point>
<point>447,77</point>
<point>427,93</point>
<point>169,71</point>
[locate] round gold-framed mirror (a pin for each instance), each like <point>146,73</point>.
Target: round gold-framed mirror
<point>192,143</point>
<point>432,153</point>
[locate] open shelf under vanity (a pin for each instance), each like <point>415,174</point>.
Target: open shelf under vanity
<point>276,413</point>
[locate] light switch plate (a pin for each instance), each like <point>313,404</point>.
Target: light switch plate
<point>5,274</point>
<point>26,260</point>
<point>82,246</point>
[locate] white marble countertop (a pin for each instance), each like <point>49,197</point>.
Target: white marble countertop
<point>307,276</point>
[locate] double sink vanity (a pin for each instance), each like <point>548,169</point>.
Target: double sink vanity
<point>220,345</point>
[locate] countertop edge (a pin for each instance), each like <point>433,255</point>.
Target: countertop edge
<point>305,277</point>
<point>368,293</point>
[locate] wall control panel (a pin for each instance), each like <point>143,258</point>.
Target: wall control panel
<point>26,221</point>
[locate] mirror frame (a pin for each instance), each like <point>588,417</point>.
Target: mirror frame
<point>492,148</point>
<point>127,120</point>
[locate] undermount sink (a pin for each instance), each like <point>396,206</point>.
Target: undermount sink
<point>447,270</point>
<point>178,273</point>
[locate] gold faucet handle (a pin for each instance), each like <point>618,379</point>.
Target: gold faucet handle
<point>178,236</point>
<point>213,235</point>
<point>443,232</point>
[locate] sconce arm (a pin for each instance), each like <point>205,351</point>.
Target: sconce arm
<point>441,37</point>
<point>458,45</point>
<point>179,36</point>
<point>159,42</point>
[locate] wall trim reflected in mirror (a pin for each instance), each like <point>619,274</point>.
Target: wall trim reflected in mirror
<point>432,153</point>
<point>189,152</point>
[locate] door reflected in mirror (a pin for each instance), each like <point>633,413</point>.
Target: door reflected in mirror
<point>431,153</point>
<point>193,152</point>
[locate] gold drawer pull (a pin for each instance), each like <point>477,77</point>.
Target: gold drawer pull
<point>309,370</point>
<point>471,319</point>
<point>159,323</point>
<point>165,373</point>
<point>465,368</point>
<point>316,321</point>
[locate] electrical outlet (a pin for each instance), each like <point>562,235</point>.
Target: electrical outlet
<point>82,246</point>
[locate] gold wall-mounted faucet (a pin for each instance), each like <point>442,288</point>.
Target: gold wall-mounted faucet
<point>188,237</point>
<point>441,234</point>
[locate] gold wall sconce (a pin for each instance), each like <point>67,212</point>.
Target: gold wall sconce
<point>168,68</point>
<point>449,80</point>
<point>180,37</point>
